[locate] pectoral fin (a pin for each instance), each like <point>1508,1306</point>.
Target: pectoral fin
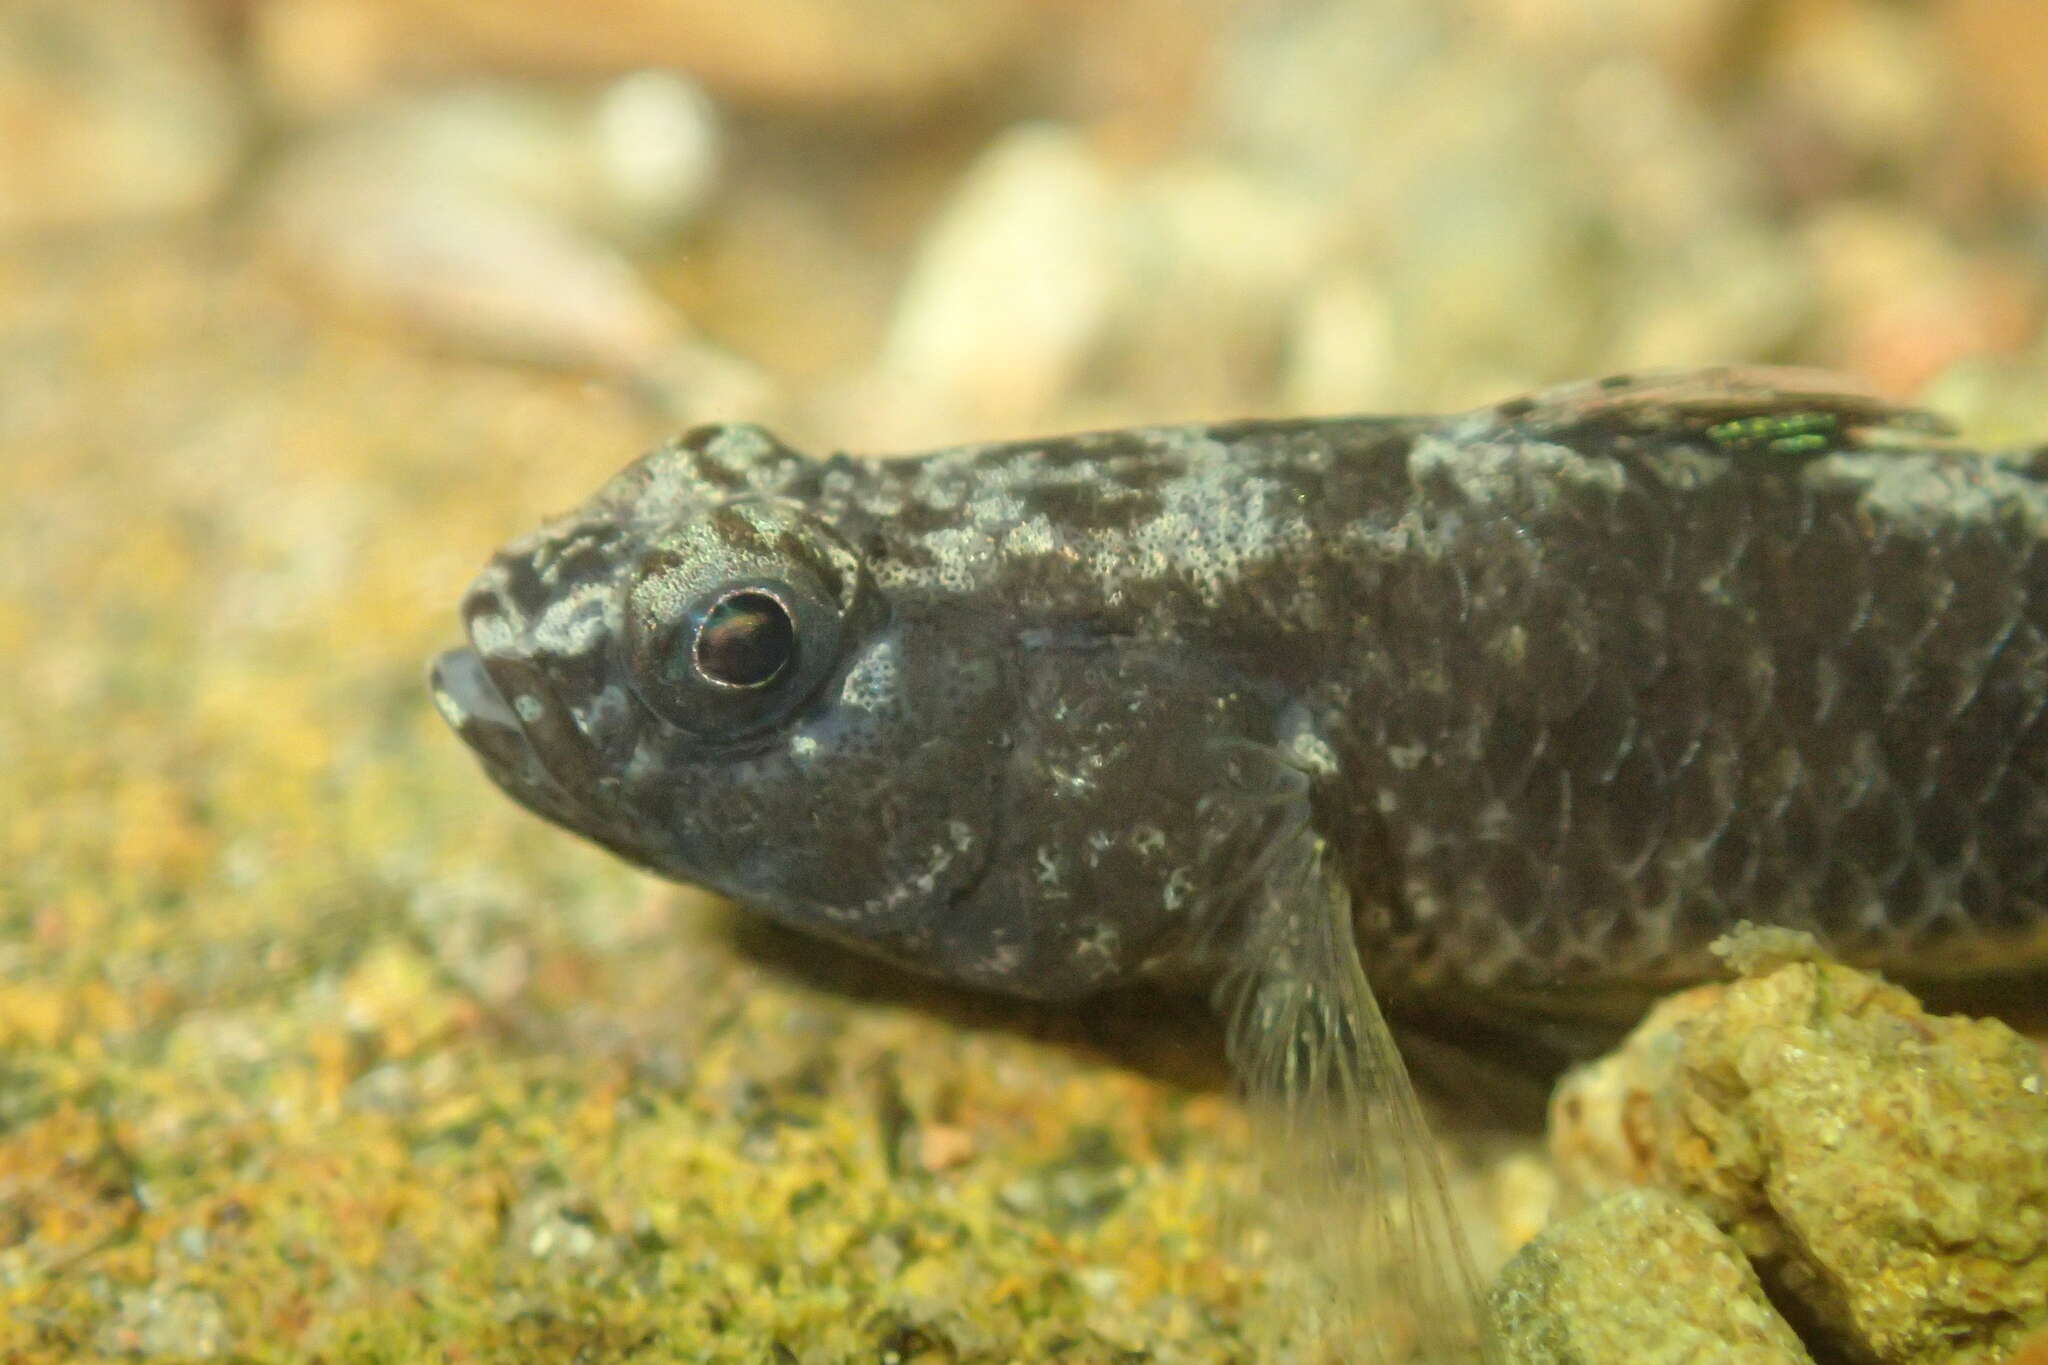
<point>1352,1168</point>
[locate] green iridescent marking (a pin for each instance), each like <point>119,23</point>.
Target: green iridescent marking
<point>1790,433</point>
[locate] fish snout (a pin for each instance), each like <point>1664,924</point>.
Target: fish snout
<point>465,695</point>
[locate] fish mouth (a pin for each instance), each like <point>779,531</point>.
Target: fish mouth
<point>476,710</point>
<point>465,695</point>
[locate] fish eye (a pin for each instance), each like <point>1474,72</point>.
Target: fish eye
<point>732,621</point>
<point>747,640</point>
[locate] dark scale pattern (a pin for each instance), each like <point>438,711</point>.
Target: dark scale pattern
<point>1808,693</point>
<point>1568,686</point>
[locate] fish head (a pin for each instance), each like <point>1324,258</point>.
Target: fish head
<point>697,671</point>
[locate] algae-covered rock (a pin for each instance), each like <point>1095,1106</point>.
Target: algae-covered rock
<point>1885,1168</point>
<point>1640,1277</point>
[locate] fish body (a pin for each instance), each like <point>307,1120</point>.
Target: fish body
<point>1569,685</point>
<point>1524,705</point>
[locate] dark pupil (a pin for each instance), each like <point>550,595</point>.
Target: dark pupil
<point>745,640</point>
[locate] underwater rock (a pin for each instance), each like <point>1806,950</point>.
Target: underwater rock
<point>1008,292</point>
<point>1577,1294</point>
<point>1885,1169</point>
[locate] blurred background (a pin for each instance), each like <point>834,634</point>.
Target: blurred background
<point>309,1042</point>
<point>913,221</point>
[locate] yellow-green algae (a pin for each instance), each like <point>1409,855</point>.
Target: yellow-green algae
<point>1556,1302</point>
<point>311,1047</point>
<point>1885,1168</point>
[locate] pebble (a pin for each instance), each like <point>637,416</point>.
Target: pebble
<point>1008,291</point>
<point>500,217</point>
<point>1641,1278</point>
<point>1886,1168</point>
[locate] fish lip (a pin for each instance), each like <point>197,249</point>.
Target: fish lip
<point>475,708</point>
<point>465,695</point>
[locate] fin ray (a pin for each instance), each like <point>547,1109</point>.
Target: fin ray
<point>1349,1157</point>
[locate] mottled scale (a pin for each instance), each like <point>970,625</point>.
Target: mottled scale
<point>1849,655</point>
